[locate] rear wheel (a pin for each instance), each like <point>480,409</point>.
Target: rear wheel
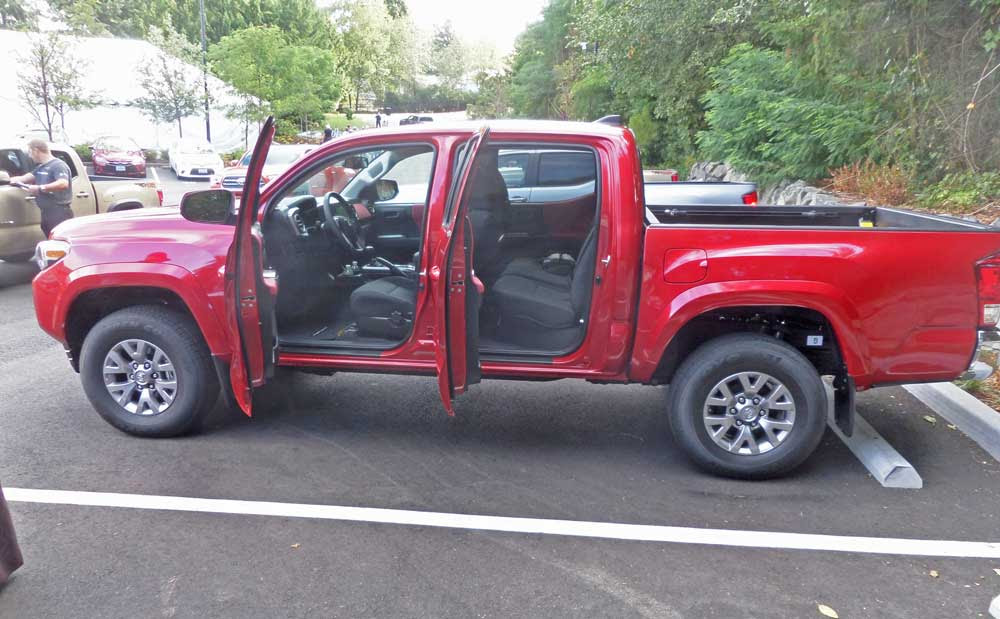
<point>147,371</point>
<point>747,406</point>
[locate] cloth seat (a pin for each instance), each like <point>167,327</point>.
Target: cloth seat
<point>384,307</point>
<point>544,310</point>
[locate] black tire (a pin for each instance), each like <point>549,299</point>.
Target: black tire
<point>179,338</point>
<point>729,355</point>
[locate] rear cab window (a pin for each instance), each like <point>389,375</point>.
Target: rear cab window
<point>561,169</point>
<point>14,162</point>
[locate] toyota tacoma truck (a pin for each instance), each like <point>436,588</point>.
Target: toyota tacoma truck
<point>747,314</point>
<point>19,217</point>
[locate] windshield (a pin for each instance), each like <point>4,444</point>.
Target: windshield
<point>199,149</point>
<point>116,144</point>
<point>277,155</point>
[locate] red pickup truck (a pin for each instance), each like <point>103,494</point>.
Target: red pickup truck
<point>741,311</point>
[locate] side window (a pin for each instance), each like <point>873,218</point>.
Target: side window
<point>10,162</point>
<point>65,158</point>
<point>560,169</point>
<point>514,168</point>
<point>413,176</point>
<point>353,175</point>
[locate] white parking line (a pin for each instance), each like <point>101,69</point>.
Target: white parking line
<point>577,528</point>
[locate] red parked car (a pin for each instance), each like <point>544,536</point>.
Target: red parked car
<point>741,311</point>
<point>118,156</point>
<point>279,158</point>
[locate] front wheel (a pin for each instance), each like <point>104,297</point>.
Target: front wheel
<point>747,406</point>
<point>147,371</point>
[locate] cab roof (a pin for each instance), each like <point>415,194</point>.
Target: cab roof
<point>539,127</point>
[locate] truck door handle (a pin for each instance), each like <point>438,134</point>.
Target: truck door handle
<point>83,194</point>
<point>517,199</point>
<point>606,261</point>
<point>30,198</point>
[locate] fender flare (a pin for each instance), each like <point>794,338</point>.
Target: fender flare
<point>172,278</point>
<point>827,300</point>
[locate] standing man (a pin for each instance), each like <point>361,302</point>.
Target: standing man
<point>51,183</point>
<point>378,120</point>
<point>327,134</point>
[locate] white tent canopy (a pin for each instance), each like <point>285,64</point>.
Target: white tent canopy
<point>112,70</point>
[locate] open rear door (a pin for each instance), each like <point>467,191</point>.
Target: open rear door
<point>458,291</point>
<point>246,294</point>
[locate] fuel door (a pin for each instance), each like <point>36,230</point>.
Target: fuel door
<point>685,266</point>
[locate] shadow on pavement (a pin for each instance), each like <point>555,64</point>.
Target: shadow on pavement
<point>15,273</point>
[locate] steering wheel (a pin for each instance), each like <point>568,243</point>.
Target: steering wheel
<point>345,230</point>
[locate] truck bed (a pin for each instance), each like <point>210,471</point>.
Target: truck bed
<point>807,216</point>
<point>898,287</point>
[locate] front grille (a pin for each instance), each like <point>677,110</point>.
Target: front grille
<point>233,182</point>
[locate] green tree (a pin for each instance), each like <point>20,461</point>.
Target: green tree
<point>172,90</point>
<point>297,81</point>
<point>36,78</point>
<point>377,50</point>
<point>16,15</point>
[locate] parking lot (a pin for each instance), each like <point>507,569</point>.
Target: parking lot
<point>564,450</point>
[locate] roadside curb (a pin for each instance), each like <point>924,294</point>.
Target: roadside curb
<point>978,421</point>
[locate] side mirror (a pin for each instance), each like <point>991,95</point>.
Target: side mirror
<point>209,206</point>
<point>386,190</point>
<point>233,163</point>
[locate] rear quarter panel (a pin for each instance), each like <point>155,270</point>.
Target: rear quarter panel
<point>903,303</point>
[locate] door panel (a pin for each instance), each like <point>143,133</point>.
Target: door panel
<point>248,302</point>
<point>396,227</point>
<point>457,290</point>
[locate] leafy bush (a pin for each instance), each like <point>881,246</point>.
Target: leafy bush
<point>773,118</point>
<point>231,156</point>
<point>84,151</point>
<point>962,191</point>
<point>881,184</point>
<point>154,155</point>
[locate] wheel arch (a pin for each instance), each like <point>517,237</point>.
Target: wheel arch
<point>791,324</point>
<point>91,298</point>
<point>124,205</point>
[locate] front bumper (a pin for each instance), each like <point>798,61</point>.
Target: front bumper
<point>988,342</point>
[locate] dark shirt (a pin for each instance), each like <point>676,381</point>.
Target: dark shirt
<point>327,135</point>
<point>48,172</point>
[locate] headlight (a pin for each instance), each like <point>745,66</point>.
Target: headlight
<point>48,253</point>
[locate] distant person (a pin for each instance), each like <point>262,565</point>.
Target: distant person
<point>378,120</point>
<point>328,133</point>
<point>51,182</point>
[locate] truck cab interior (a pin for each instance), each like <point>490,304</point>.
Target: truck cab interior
<point>347,260</point>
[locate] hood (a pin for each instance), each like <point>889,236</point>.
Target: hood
<point>270,171</point>
<point>160,224</point>
<point>117,154</point>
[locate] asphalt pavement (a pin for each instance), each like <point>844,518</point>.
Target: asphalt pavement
<point>561,450</point>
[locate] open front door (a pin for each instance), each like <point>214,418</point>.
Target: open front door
<point>458,291</point>
<point>247,300</point>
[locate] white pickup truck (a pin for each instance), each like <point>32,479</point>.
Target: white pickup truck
<point>19,217</point>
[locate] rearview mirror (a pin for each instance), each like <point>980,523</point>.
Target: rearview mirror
<point>386,190</point>
<point>209,206</point>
